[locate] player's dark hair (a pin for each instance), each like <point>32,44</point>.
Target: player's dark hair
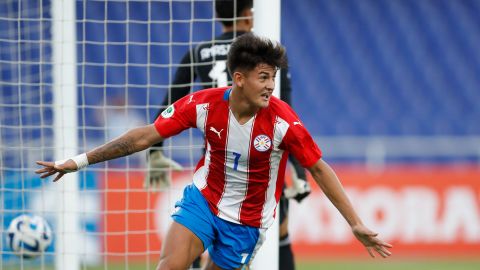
<point>248,50</point>
<point>226,9</point>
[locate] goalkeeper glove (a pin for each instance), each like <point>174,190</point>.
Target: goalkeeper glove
<point>299,190</point>
<point>158,174</point>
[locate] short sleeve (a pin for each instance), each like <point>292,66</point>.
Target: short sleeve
<point>300,143</point>
<point>177,117</point>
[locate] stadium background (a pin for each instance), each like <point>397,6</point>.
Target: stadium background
<point>389,89</point>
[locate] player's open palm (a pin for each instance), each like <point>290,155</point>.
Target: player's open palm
<point>371,242</point>
<point>60,167</point>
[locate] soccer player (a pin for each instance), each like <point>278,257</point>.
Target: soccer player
<point>207,62</point>
<point>238,182</point>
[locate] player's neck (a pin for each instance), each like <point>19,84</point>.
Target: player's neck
<point>240,107</point>
<point>239,27</point>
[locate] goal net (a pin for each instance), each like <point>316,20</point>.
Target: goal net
<point>61,96</point>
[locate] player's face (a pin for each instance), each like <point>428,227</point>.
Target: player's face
<point>258,85</point>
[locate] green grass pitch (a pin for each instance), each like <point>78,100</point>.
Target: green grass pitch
<point>377,264</point>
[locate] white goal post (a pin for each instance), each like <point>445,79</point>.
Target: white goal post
<point>267,23</point>
<point>65,131</point>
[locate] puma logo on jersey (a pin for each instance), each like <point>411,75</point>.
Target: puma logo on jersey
<point>216,132</point>
<point>191,100</point>
<point>297,123</point>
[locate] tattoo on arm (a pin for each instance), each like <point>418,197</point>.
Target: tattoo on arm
<point>119,147</point>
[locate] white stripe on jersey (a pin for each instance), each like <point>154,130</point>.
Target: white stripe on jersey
<point>200,179</point>
<point>279,131</point>
<point>200,176</point>
<point>202,113</point>
<point>236,168</point>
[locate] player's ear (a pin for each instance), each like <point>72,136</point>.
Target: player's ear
<point>238,79</point>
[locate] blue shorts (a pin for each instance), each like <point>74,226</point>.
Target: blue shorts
<point>230,245</point>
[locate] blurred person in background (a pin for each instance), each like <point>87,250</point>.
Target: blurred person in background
<point>207,62</point>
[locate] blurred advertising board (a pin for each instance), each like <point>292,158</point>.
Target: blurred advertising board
<point>424,211</point>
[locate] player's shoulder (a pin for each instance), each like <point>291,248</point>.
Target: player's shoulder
<point>210,95</point>
<point>285,116</point>
<point>282,109</point>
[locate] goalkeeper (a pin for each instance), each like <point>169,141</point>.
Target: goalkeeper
<point>207,62</point>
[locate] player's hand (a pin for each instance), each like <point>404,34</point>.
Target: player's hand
<point>371,242</point>
<point>61,167</point>
<point>158,174</point>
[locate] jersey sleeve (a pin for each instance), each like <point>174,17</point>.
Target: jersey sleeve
<point>177,117</point>
<point>298,141</point>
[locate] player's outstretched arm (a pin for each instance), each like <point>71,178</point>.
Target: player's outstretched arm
<point>132,141</point>
<point>328,181</point>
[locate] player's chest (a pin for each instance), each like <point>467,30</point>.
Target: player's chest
<point>252,141</point>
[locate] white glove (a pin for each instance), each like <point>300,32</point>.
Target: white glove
<point>158,174</point>
<point>300,188</point>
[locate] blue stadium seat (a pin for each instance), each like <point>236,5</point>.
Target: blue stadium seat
<point>385,67</point>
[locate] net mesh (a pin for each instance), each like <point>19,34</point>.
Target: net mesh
<point>127,53</point>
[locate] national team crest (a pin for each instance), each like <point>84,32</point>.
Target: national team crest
<point>262,143</point>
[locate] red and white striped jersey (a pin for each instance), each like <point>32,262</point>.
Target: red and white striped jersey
<point>242,172</point>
